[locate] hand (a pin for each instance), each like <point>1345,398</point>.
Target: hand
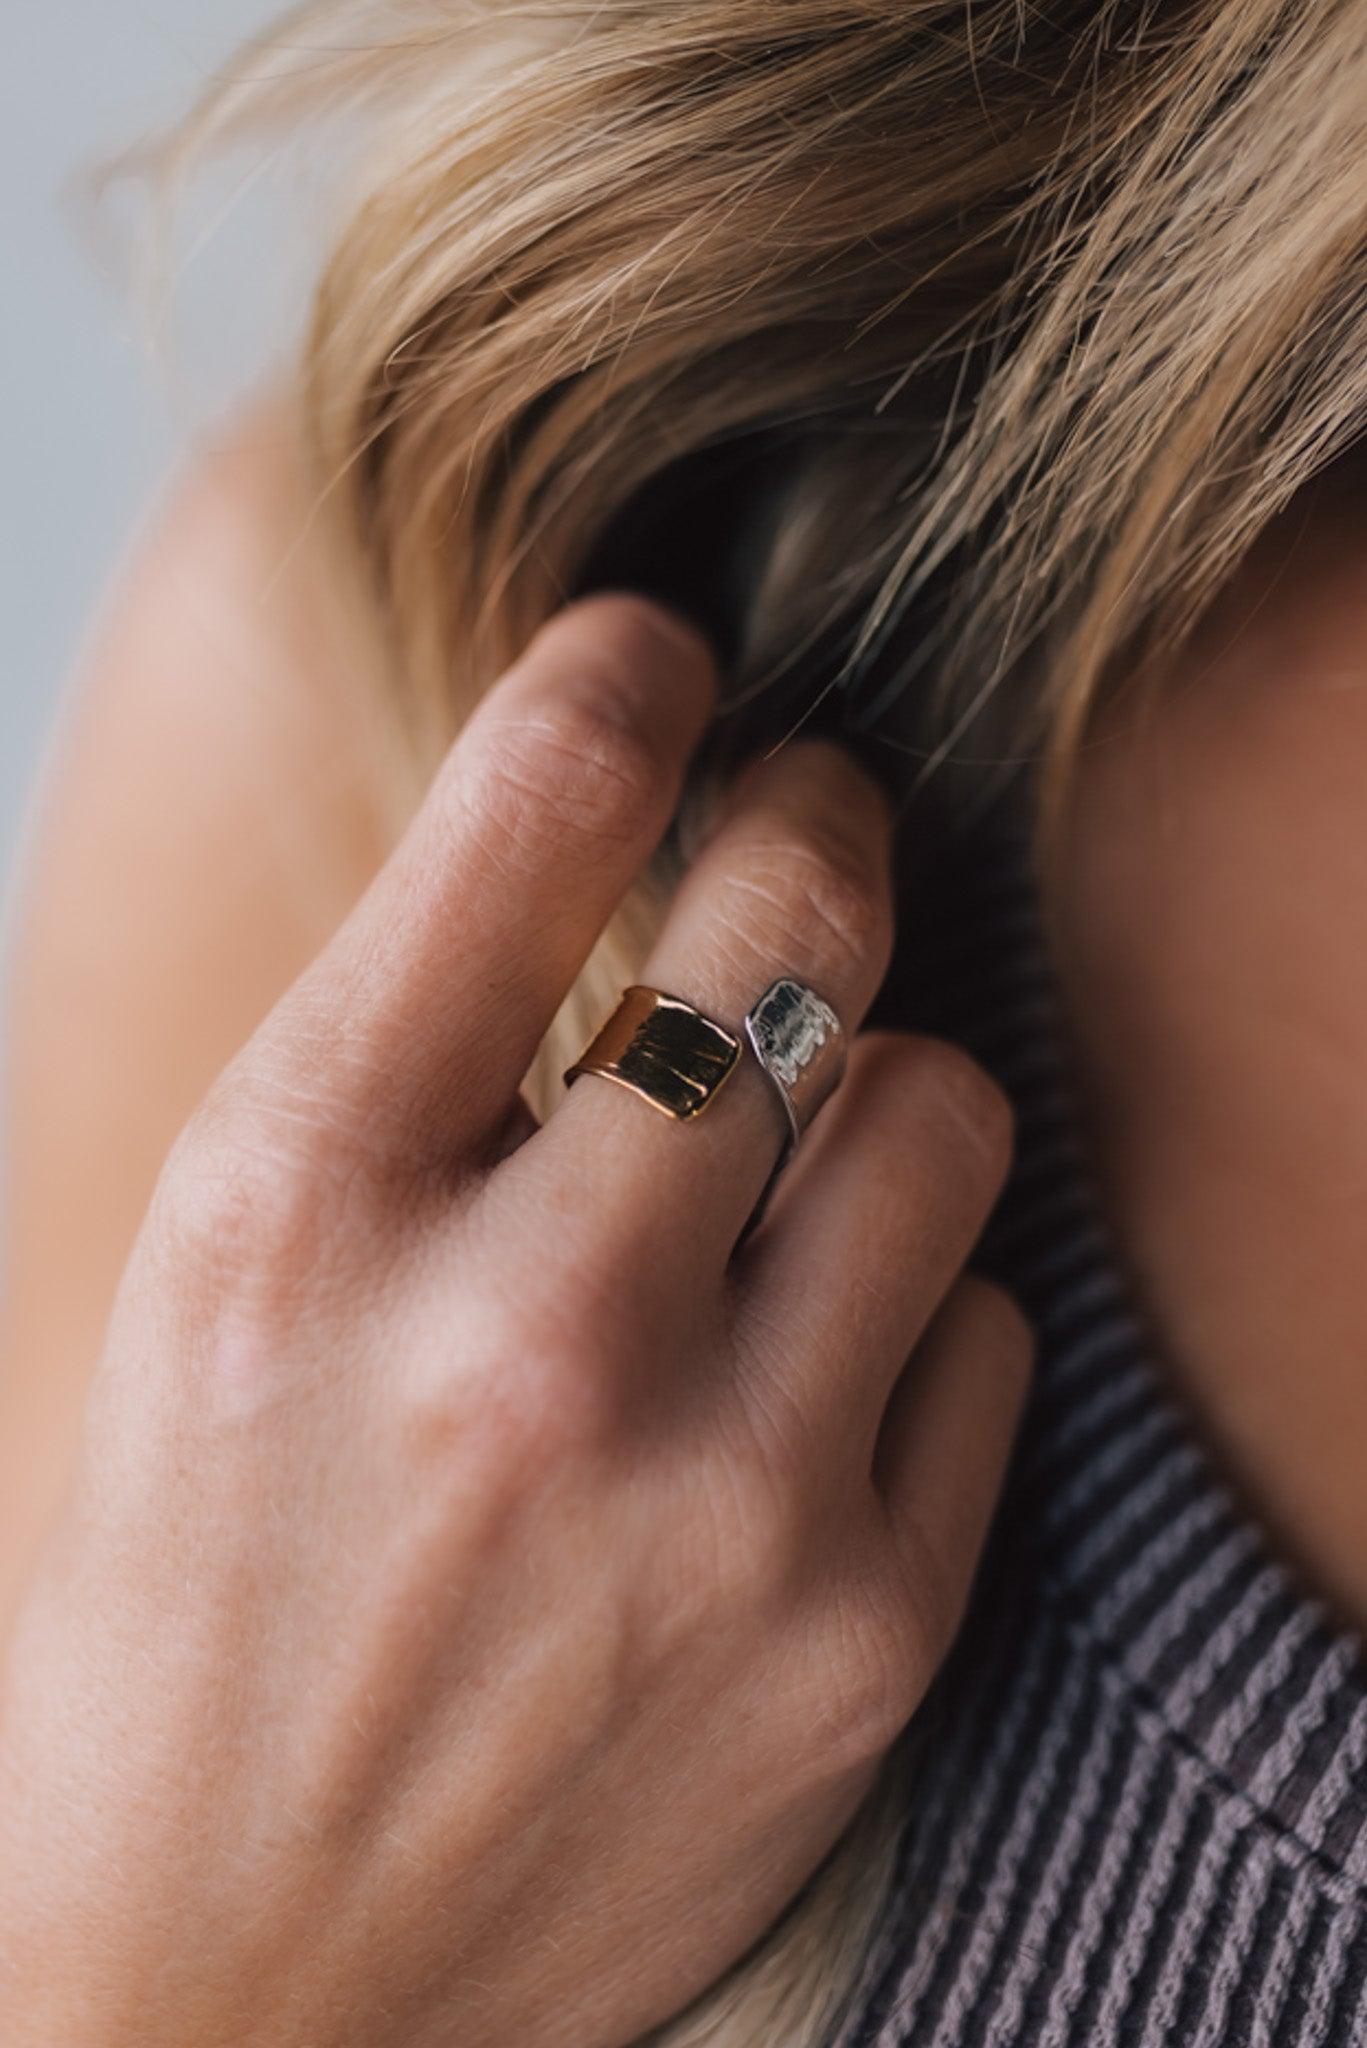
<point>485,1598</point>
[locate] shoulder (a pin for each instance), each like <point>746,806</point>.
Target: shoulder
<point>213,803</point>
<point>231,621</point>
<point>221,742</point>
<point>212,806</point>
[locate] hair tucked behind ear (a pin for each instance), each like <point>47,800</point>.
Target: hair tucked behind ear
<point>1005,328</point>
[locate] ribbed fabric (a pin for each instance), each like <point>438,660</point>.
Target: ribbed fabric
<point>1141,1817</point>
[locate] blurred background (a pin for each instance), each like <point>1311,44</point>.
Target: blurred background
<point>94,414</point>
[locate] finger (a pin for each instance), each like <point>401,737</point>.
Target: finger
<point>945,1445</point>
<point>423,1015</point>
<point>869,1227</point>
<point>796,881</point>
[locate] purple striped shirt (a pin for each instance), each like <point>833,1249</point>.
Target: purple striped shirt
<point>1138,1815</point>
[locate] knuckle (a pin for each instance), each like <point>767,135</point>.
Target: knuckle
<point>977,1105</point>
<point>776,1550</point>
<point>224,1215</point>
<point>250,1201</point>
<point>810,900</point>
<point>572,771</point>
<point>561,1400</point>
<point>761,1538</point>
<point>930,1593</point>
<point>880,1673</point>
<point>516,1425</point>
<point>1001,1332</point>
<point>884,1680</point>
<point>532,1394</point>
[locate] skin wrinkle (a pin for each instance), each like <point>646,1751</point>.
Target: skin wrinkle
<point>1187,352</point>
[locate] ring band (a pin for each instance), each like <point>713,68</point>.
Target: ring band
<point>800,1043</point>
<point>663,1050</point>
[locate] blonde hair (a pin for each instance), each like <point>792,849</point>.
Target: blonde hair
<point>1046,313</point>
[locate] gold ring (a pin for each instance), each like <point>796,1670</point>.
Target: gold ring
<point>663,1050</point>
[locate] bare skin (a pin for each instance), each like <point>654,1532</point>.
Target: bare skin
<point>208,817</point>
<point>1209,918</point>
<point>481,1603</point>
<point>1205,925</point>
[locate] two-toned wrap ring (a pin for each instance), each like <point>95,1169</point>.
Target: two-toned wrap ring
<point>677,1059</point>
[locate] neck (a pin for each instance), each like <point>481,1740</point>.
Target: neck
<point>1209,920</point>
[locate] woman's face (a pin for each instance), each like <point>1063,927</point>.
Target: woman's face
<point>1208,911</point>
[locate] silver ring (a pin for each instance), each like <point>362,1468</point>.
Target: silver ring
<point>800,1043</point>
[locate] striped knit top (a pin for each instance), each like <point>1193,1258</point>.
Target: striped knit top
<point>1141,1814</point>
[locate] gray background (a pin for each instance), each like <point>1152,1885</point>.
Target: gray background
<point>90,417</point>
